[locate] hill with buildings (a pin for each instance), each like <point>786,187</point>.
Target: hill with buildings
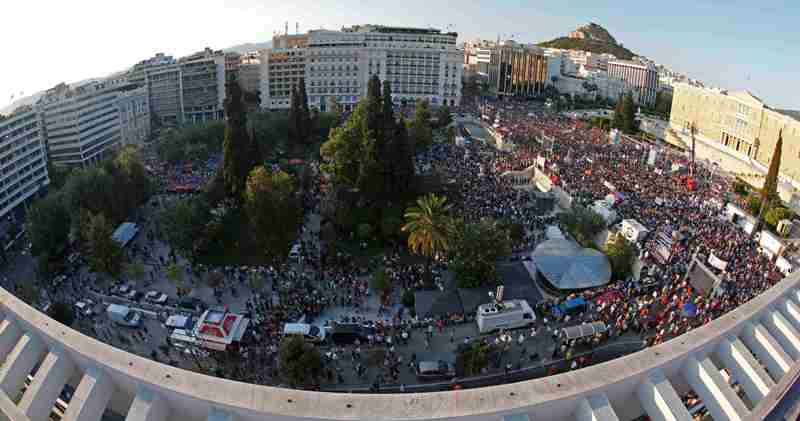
<point>593,38</point>
<point>248,47</point>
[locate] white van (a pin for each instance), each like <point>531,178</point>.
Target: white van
<point>180,338</point>
<point>310,332</point>
<point>509,314</point>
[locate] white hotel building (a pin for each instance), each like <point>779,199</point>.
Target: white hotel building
<point>419,64</point>
<point>23,159</point>
<point>641,79</point>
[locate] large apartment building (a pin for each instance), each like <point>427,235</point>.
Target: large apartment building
<point>23,159</point>
<point>478,56</point>
<point>134,116</point>
<point>249,72</point>
<point>518,70</point>
<point>81,124</point>
<point>741,125</point>
<point>282,67</point>
<point>202,86</point>
<point>418,63</point>
<point>641,79</point>
<point>184,91</point>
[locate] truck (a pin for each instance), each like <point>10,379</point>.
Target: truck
<point>124,315</point>
<point>509,314</point>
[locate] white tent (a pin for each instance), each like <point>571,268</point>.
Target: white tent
<point>554,233</point>
<point>609,215</point>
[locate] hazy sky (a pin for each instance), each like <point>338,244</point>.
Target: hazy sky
<point>731,43</point>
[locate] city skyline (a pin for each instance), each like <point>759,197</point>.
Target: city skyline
<point>690,37</point>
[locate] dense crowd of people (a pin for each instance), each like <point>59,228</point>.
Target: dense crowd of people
<point>185,177</point>
<point>664,196</point>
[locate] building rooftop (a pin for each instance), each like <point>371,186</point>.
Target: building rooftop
<point>395,30</point>
<point>795,114</point>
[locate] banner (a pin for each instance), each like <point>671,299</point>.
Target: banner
<point>540,161</point>
<point>717,262</point>
<point>542,181</point>
<point>771,243</point>
<point>651,157</point>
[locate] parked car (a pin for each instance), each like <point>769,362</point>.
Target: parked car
<point>85,308</point>
<point>191,304</point>
<point>436,370</point>
<point>308,332</point>
<point>121,290</point>
<point>124,315</point>
<point>348,333</point>
<point>133,295</point>
<point>156,297</point>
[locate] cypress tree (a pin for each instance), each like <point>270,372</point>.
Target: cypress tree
<point>403,174</point>
<point>238,146</point>
<point>628,114</point>
<point>617,122</point>
<point>294,117</point>
<point>770,189</point>
<point>375,109</point>
<point>304,120</point>
<point>388,109</point>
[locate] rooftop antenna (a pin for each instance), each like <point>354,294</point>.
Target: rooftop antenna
<point>286,28</point>
<point>297,28</point>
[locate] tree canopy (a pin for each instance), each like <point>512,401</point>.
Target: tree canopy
<point>300,363</point>
<point>628,115</point>
<point>443,117</point>
<point>429,226</point>
<point>48,225</point>
<point>272,209</point>
<point>371,152</point>
<point>420,130</point>
<point>103,253</point>
<point>621,254</point>
<point>770,187</point>
<point>184,223</point>
<point>238,146</point>
<point>195,142</point>
<point>475,249</point>
<point>582,223</point>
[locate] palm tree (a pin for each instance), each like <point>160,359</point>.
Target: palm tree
<point>428,227</point>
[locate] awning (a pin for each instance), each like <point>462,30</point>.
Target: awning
<point>237,336</point>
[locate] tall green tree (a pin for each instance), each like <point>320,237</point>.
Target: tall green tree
<point>628,115</point>
<point>333,106</point>
<point>475,248</point>
<point>387,103</point>
<point>304,120</point>
<point>343,151</point>
<point>443,117</point>
<point>664,104</point>
<point>420,126</point>
<point>770,188</point>
<point>618,111</point>
<point>621,254</point>
<point>428,226</point>
<point>372,176</point>
<point>48,225</point>
<point>375,115</point>
<point>104,254</point>
<point>300,363</point>
<point>272,210</point>
<point>184,223</point>
<point>238,146</point>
